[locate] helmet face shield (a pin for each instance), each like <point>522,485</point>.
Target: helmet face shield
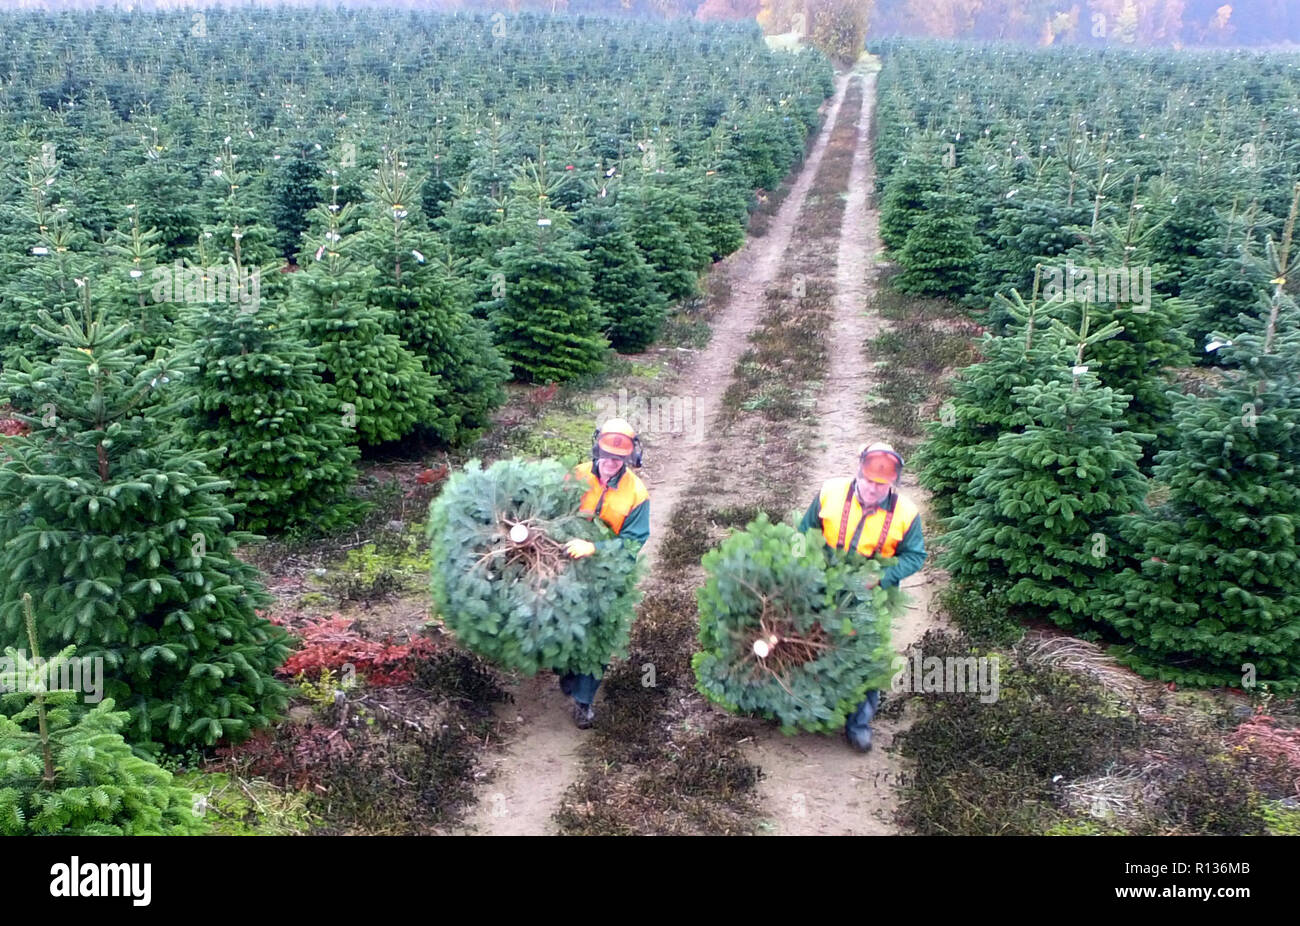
<point>881,466</point>
<point>615,446</point>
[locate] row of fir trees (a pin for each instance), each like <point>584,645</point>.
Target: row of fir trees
<point>202,329</point>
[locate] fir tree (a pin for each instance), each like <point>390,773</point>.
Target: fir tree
<point>1215,596</point>
<point>903,202</point>
<point>939,254</point>
<point>1229,282</point>
<point>53,257</point>
<point>162,186</point>
<point>1040,508</point>
<point>382,389</point>
<point>294,194</point>
<point>428,307</point>
<point>1029,230</point>
<point>629,302</point>
<point>258,399</point>
<point>546,323</point>
<point>125,543</point>
<point>74,775</point>
<point>984,405</point>
<point>133,274</point>
<point>662,221</point>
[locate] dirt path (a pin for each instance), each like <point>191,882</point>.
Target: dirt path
<point>671,458</point>
<point>816,784</point>
<point>542,761</point>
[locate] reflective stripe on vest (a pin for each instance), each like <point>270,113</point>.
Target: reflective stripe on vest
<point>612,504</point>
<point>844,526</point>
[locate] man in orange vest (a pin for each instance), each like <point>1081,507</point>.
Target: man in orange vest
<point>619,498</point>
<point>868,515</point>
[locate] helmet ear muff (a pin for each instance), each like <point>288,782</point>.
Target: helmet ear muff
<point>636,452</point>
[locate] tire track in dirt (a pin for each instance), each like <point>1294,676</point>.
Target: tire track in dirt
<point>531,775</point>
<point>815,783</point>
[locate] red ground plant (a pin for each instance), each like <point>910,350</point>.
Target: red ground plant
<point>334,642</point>
<point>9,425</point>
<point>1274,746</point>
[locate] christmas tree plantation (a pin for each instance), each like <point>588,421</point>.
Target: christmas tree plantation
<point>789,630</point>
<point>125,544</point>
<point>505,586</point>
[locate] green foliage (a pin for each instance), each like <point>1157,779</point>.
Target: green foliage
<point>939,254</point>
<point>984,406</point>
<point>1036,525</point>
<point>903,202</point>
<point>1029,229</point>
<point>257,396</point>
<point>69,772</point>
<point>826,634</point>
<point>126,544</point>
<point>234,806</point>
<point>1215,583</point>
<point>526,605</point>
<point>1137,361</point>
<point>623,284</point>
<point>45,258</point>
<point>293,193</point>
<point>425,305</point>
<point>546,323</point>
<point>100,788</point>
<point>1281,818</point>
<point>661,219</point>
<point>381,387</point>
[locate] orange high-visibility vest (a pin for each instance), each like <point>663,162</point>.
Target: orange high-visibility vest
<point>839,531</point>
<point>612,504</point>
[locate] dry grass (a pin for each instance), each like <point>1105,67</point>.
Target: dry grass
<point>1058,651</point>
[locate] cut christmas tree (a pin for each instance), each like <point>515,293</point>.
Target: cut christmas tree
<point>505,586</point>
<point>788,629</point>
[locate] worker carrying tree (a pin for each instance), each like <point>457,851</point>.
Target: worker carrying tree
<point>866,513</point>
<point>618,497</point>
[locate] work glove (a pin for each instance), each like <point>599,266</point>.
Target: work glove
<point>578,548</point>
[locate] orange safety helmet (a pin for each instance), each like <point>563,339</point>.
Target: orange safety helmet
<point>618,440</point>
<point>880,463</point>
